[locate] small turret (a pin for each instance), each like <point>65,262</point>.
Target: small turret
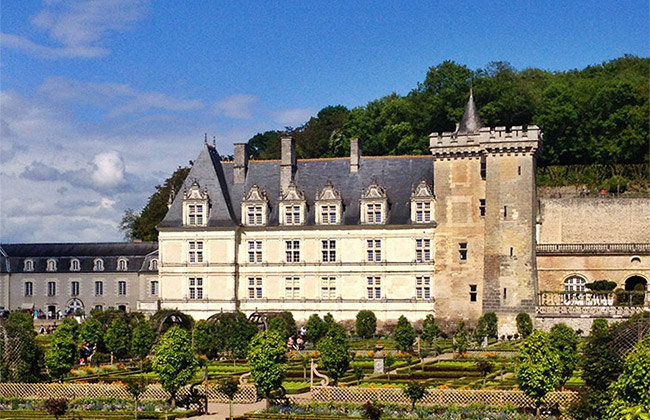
<point>471,121</point>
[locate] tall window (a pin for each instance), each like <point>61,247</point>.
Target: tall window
<point>29,288</point>
<point>483,167</point>
<point>255,251</point>
<point>255,288</point>
<point>196,252</point>
<point>196,288</point>
<point>51,265</point>
<point>292,215</point>
<point>328,287</point>
<point>462,251</point>
<point>328,214</point>
<point>254,214</point>
<point>374,288</point>
<point>481,206</point>
<point>195,214</point>
<point>75,265</point>
<point>292,287</point>
<point>99,288</point>
<point>422,250</point>
<point>423,287</point>
<point>423,212</point>
<point>122,264</point>
<point>154,287</point>
<point>98,265</point>
<point>329,250</point>
<point>374,250</point>
<point>51,288</point>
<point>473,293</point>
<point>121,288</point>
<point>575,284</point>
<point>29,265</point>
<point>74,288</point>
<point>293,251</point>
<point>153,266</point>
<point>373,213</point>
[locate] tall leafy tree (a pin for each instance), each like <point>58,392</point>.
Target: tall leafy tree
<point>366,324</point>
<point>174,362</point>
<point>233,334</point>
<point>564,342</point>
<point>266,356</point>
<point>539,367</point>
<point>334,352</point>
<point>90,331</point>
<point>430,330</point>
<point>62,355</point>
<point>143,338</point>
<point>118,338</point>
<point>404,334</point>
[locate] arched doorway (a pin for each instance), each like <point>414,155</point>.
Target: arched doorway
<point>637,283</point>
<point>75,304</point>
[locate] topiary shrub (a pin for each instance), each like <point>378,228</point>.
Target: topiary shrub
<point>366,324</point>
<point>524,324</point>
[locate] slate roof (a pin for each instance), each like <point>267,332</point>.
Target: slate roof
<point>397,174</point>
<point>12,256</point>
<point>471,122</point>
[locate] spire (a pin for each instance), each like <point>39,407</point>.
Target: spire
<point>471,121</point>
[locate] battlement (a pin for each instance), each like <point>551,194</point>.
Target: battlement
<point>487,138</point>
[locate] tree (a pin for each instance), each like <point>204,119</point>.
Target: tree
<point>334,355</point>
<point>430,330</point>
<point>631,391</point>
<point>204,338</point>
<point>460,338</point>
<point>357,370</point>
<point>118,338</point>
<point>404,334</point>
<point>415,391</point>
<point>564,342</point>
<point>71,326</point>
<point>90,331</point>
<point>316,328</point>
<point>143,338</point>
<point>601,363</point>
<point>229,388</point>
<point>539,367</point>
<point>174,362</point>
<point>480,332</point>
<point>491,324</point>
<point>20,319</point>
<point>233,333</point>
<point>328,320</point>
<point>389,360</point>
<point>284,323</point>
<point>485,367</point>
<point>29,360</point>
<point>266,356</point>
<point>524,324</point>
<point>366,324</point>
<point>135,387</point>
<point>62,355</point>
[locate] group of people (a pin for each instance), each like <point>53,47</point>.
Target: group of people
<point>86,354</point>
<point>41,314</point>
<point>297,343</point>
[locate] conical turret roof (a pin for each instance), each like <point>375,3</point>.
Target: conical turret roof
<point>471,121</point>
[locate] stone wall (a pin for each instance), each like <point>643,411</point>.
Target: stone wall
<point>594,220</point>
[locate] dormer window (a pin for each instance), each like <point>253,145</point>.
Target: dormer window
<point>29,265</point>
<point>195,206</point>
<point>153,265</point>
<point>293,206</point>
<point>122,264</point>
<point>98,265</point>
<point>75,265</point>
<point>329,206</point>
<point>374,204</point>
<point>51,265</point>
<point>422,201</point>
<point>254,208</point>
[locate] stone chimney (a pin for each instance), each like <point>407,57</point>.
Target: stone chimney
<point>288,162</point>
<point>355,154</point>
<point>241,163</point>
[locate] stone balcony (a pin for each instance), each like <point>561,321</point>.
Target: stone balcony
<point>621,304</point>
<point>594,249</point>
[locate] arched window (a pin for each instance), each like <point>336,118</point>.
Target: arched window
<point>98,265</point>
<point>154,265</point>
<point>29,265</point>
<point>75,265</point>
<point>574,284</point>
<point>122,264</point>
<point>51,265</point>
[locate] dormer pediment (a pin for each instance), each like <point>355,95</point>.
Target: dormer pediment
<point>256,194</point>
<point>328,193</point>
<point>374,191</point>
<point>422,190</point>
<point>195,192</point>
<point>293,193</point>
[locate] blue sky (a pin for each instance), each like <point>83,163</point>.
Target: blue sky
<point>102,99</point>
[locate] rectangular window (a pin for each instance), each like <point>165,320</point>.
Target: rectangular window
<point>196,288</point>
<point>374,288</point>
<point>255,251</point>
<point>255,288</point>
<point>505,293</point>
<point>328,288</point>
<point>505,212</point>
<point>292,215</point>
<point>74,288</point>
<point>483,167</point>
<point>195,216</point>
<point>328,214</point>
<point>292,287</point>
<point>374,250</point>
<point>373,213</point>
<point>154,288</point>
<point>99,288</point>
<point>422,212</point>
<point>462,251</point>
<point>422,250</point>
<point>512,252</point>
<point>481,206</point>
<point>293,251</point>
<point>519,170</point>
<point>29,288</point>
<point>255,215</point>
<point>121,288</point>
<point>472,293</point>
<point>423,287</point>
<point>329,250</point>
<point>51,288</point>
<point>196,252</point>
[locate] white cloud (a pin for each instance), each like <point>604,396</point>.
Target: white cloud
<point>109,170</point>
<point>293,116</point>
<point>79,27</point>
<point>236,106</point>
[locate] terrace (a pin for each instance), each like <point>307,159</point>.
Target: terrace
<point>606,304</point>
